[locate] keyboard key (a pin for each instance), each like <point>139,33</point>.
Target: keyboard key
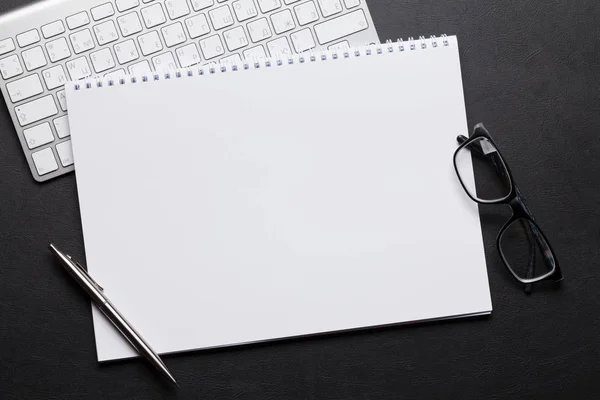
<point>221,17</point>
<point>198,5</point>
<point>257,52</point>
<point>102,11</point>
<point>126,52</point>
<point>177,8</point>
<point>164,62</point>
<point>78,68</point>
<point>235,38</point>
<point>302,40</point>
<point>10,67</point>
<point>341,26</point>
<point>173,34</point>
<point>188,55</point>
<point>269,5</point>
<point>279,46</point>
<point>330,7</point>
<point>129,24</point>
<point>306,13</point>
<point>53,29</point>
<point>339,47</point>
<point>65,153</point>
<point>24,88</point>
<point>54,77</point>
<point>82,41</point>
<point>102,60</point>
<point>34,58</point>
<point>36,110</point>
<point>116,74</point>
<point>283,21</point>
<point>124,5</point>
<point>62,126</point>
<point>106,32</point>
<point>197,26</point>
<point>212,47</point>
<point>233,59</point>
<point>211,64</point>
<point>142,68</point>
<point>351,3</point>
<point>58,49</point>
<point>150,43</point>
<point>259,30</point>
<point>27,38</point>
<point>78,20</point>
<point>62,99</point>
<point>38,135</point>
<point>6,46</point>
<point>290,1</point>
<point>153,15</point>
<point>244,9</point>
<point>44,161</point>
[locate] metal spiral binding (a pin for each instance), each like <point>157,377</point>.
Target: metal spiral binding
<point>422,43</point>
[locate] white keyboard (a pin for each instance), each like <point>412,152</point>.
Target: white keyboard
<point>44,45</point>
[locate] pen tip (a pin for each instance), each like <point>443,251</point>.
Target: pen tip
<point>171,377</point>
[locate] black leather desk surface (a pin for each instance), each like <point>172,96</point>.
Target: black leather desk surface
<point>532,74</point>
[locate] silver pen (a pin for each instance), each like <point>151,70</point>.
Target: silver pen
<point>96,292</point>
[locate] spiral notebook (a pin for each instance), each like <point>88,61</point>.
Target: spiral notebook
<point>278,198</point>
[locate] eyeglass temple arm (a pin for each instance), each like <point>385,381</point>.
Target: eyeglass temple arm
<point>538,236</point>
<point>531,262</point>
<point>546,252</point>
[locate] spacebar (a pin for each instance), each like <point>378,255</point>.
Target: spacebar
<point>341,26</point>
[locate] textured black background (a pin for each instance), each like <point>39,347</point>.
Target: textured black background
<point>531,73</point>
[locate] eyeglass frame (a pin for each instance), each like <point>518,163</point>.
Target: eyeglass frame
<point>516,201</point>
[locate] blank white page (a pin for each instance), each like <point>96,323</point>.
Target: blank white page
<point>277,202</point>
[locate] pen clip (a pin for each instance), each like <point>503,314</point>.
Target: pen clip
<point>83,271</point>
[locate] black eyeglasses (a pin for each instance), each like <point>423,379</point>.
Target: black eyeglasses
<point>524,248</point>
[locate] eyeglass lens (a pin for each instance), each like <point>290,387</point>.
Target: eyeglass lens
<point>525,250</point>
<point>480,159</point>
